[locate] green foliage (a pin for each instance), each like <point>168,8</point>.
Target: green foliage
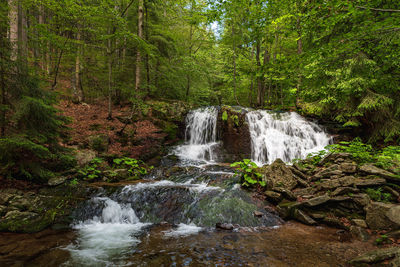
<point>92,171</point>
<point>224,116</point>
<point>382,239</point>
<point>248,171</point>
<point>136,168</point>
<point>316,157</point>
<point>361,152</point>
<point>235,120</point>
<point>378,195</point>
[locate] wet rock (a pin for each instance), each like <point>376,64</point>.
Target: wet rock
<point>298,173</point>
<point>3,210</point>
<point>360,233</point>
<point>376,256</point>
<point>335,222</point>
<point>20,202</point>
<point>278,175</point>
<point>308,191</point>
<point>287,194</point>
<point>361,200</point>
<point>330,157</point>
<point>317,215</point>
<point>83,157</point>
<point>370,181</point>
<point>272,196</point>
<point>23,221</point>
<point>329,172</point>
<point>344,190</point>
<point>383,216</point>
<point>330,184</point>
<point>57,180</point>
<point>348,167</point>
<point>287,209</point>
<point>224,226</point>
<point>5,197</point>
<point>360,223</point>
<point>373,170</point>
<point>258,213</point>
<point>301,216</point>
<point>316,201</point>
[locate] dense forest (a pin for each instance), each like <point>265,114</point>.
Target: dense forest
<point>186,132</point>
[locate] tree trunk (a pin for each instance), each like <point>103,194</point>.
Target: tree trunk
<point>260,77</point>
<point>138,54</point>
<point>110,90</point>
<point>299,52</point>
<point>78,92</point>
<point>188,78</point>
<point>234,65</point>
<point>13,34</point>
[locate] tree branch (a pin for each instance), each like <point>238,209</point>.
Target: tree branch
<point>127,7</point>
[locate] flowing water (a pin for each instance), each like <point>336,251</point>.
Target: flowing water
<point>200,136</point>
<point>287,136</point>
<point>169,218</point>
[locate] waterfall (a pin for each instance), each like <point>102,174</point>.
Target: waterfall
<point>283,135</point>
<point>200,135</point>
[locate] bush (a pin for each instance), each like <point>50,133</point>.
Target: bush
<point>248,172</point>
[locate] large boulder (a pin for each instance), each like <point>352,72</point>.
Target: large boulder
<point>383,216</point>
<point>234,133</point>
<point>278,175</point>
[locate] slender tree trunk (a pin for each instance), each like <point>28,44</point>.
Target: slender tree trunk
<point>188,78</point>
<point>299,52</point>
<point>260,77</point>
<point>78,86</point>
<point>234,65</point>
<point>110,89</point>
<point>13,34</point>
<point>147,60</point>
<point>138,54</point>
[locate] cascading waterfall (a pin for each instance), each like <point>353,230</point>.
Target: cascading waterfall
<point>200,135</point>
<point>283,135</point>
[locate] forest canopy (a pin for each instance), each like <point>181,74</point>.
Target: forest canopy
<point>338,60</point>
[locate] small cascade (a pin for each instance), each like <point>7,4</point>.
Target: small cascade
<point>200,136</point>
<point>283,135</point>
<point>107,237</point>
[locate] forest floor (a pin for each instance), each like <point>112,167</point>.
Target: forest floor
<point>91,120</point>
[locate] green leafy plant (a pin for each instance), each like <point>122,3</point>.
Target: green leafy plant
<point>92,171</point>
<point>360,152</point>
<point>224,116</point>
<point>135,167</point>
<point>316,157</point>
<point>235,119</point>
<point>382,239</point>
<point>247,170</point>
<point>378,195</point>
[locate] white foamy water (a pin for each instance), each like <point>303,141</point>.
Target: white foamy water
<point>199,188</point>
<point>183,230</point>
<point>283,135</point>
<point>200,136</point>
<point>104,240</point>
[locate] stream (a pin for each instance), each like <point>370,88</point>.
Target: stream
<point>169,218</point>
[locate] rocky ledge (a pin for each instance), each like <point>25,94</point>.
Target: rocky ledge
<point>338,192</point>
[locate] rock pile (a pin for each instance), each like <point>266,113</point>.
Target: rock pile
<point>334,192</point>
